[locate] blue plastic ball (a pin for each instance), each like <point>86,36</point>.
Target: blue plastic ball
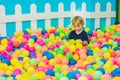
<point>50,56</point>
<point>34,37</point>
<point>103,60</point>
<point>25,32</point>
<point>101,70</point>
<point>72,62</point>
<point>90,53</point>
<point>20,58</point>
<point>105,45</point>
<point>116,48</point>
<point>2,57</point>
<point>6,61</point>
<point>45,53</point>
<point>56,34</point>
<point>50,72</point>
<point>5,75</point>
<point>116,72</point>
<point>44,31</point>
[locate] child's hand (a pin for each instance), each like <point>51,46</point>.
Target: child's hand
<point>84,43</point>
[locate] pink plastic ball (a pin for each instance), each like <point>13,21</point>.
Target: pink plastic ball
<point>58,44</point>
<point>8,56</point>
<point>46,35</point>
<point>49,67</point>
<point>66,50</point>
<point>17,71</point>
<point>9,48</point>
<point>88,76</point>
<point>46,61</point>
<point>26,36</point>
<point>41,68</point>
<point>51,47</point>
<point>77,76</point>
<point>52,31</point>
<point>32,49</point>
<point>26,46</point>
<point>16,44</point>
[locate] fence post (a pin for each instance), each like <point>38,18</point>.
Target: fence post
<point>18,13</point>
<point>47,11</point>
<point>97,11</point>
<point>2,25</point>
<point>73,9</point>
<point>108,10</point>
<point>60,10</point>
<point>84,11</point>
<point>33,22</point>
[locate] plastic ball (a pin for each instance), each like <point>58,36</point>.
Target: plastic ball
<point>97,75</point>
<point>76,57</point>
<point>44,31</point>
<point>52,62</point>
<point>50,72</point>
<point>82,78</point>
<point>116,72</point>
<point>40,75</point>
<point>88,76</point>
<point>6,61</point>
<point>64,78</point>
<point>17,72</point>
<point>33,61</point>
<point>65,61</point>
<point>69,56</point>
<point>72,62</point>
<point>101,70</point>
<point>56,70</point>
<point>4,41</point>
<point>9,48</point>
<point>31,41</point>
<point>16,44</point>
<point>34,37</point>
<point>30,70</point>
<point>106,77</point>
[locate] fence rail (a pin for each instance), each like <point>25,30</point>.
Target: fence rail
<point>18,17</point>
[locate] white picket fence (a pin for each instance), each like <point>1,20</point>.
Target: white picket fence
<point>18,17</point>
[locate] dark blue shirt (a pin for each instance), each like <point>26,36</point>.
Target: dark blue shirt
<point>83,35</point>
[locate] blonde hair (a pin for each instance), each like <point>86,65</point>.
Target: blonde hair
<point>77,19</point>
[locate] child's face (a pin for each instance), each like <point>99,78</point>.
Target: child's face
<point>77,27</point>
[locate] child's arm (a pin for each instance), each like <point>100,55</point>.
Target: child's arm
<point>84,43</point>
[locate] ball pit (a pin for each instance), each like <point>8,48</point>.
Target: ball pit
<point>47,54</point>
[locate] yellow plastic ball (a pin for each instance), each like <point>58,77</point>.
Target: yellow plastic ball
<point>116,78</point>
<point>52,62</point>
<point>76,57</point>
<point>14,61</point>
<point>19,66</point>
<point>25,53</point>
<point>9,78</point>
<point>40,75</point>
<point>82,78</point>
<point>26,65</point>
<point>26,60</point>
<point>30,70</point>
<point>41,64</point>
<point>4,42</point>
<point>18,51</point>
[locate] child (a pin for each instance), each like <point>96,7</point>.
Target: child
<point>78,33</point>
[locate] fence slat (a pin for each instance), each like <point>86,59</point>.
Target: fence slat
<point>2,25</point>
<point>84,11</point>
<point>108,20</point>
<point>47,11</point>
<point>18,12</point>
<point>97,11</point>
<point>60,10</point>
<point>33,22</point>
